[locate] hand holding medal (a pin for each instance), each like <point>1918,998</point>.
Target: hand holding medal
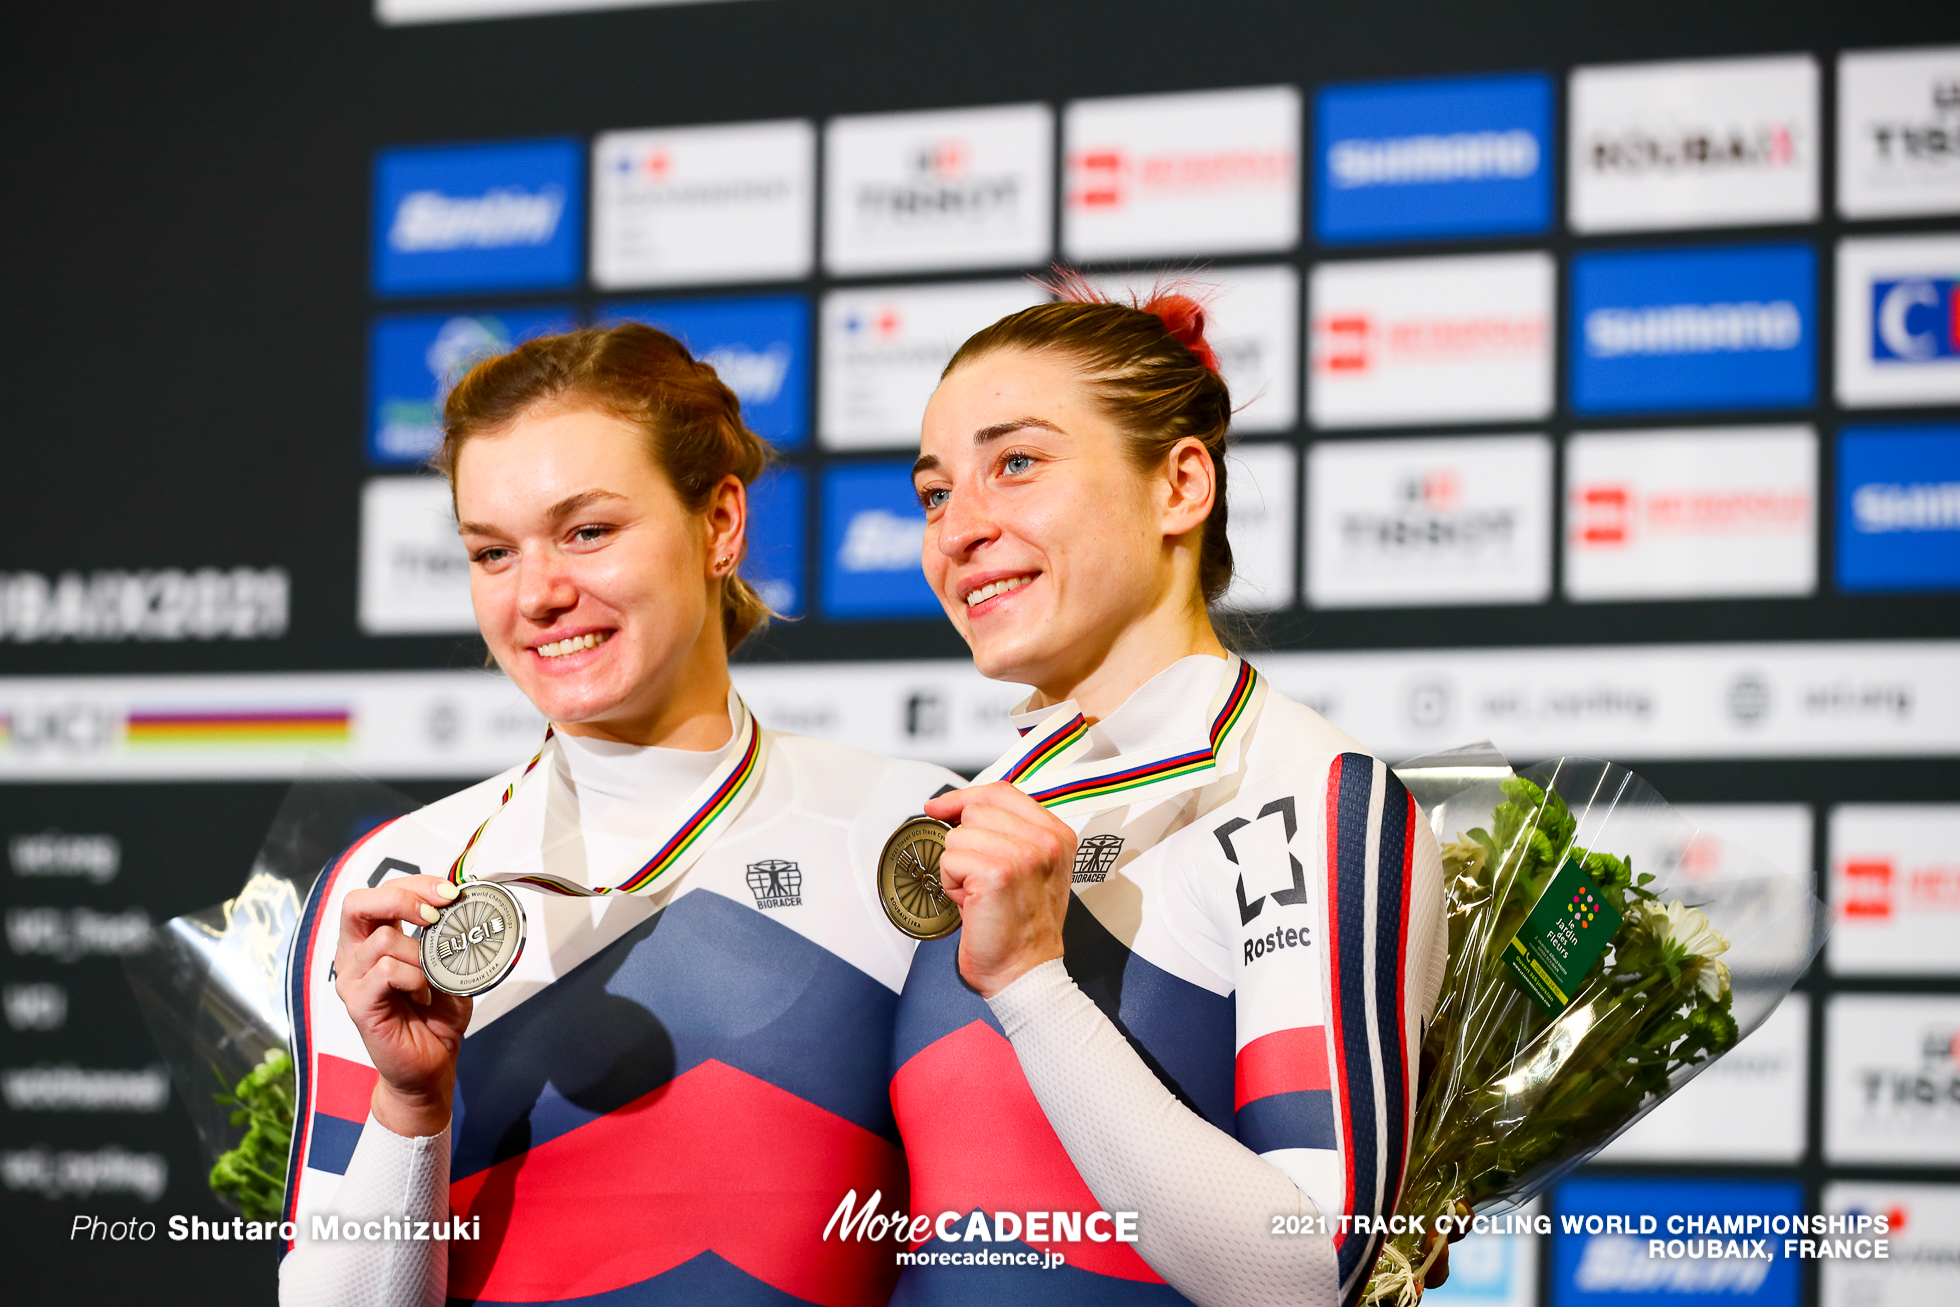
<point>1007,867</point>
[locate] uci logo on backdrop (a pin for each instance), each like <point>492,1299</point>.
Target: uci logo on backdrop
<point>478,217</point>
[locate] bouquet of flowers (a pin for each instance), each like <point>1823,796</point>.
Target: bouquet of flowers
<point>212,989</point>
<point>1602,953</point>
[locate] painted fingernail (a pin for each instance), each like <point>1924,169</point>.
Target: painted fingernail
<point>430,915</point>
<point>448,890</point>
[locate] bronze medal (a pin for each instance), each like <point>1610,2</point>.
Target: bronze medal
<point>908,880</point>
<point>476,942</point>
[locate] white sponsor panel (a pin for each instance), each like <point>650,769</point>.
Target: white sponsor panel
<point>1205,172</point>
<point>1922,1257</point>
<point>1815,700</point>
<point>1691,513</point>
<point>883,350</point>
<point>1252,322</point>
<point>1260,488</point>
<point>1701,143</point>
<point>415,573</point>
<point>1748,1106</point>
<point>1403,341</point>
<point>1898,320</point>
<point>1895,889</point>
<point>1899,132</point>
<point>1892,1079</point>
<point>684,205</point>
<point>1443,520</point>
<point>959,188</point>
<point>1779,833</point>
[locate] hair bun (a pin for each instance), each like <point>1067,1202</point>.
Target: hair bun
<point>1184,317</point>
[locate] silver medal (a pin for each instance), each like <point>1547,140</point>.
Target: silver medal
<point>476,941</point>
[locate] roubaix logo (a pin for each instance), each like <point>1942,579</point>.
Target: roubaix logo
<point>759,347</point>
<point>873,533</point>
<point>1899,508</point>
<point>776,883</point>
<point>1452,156</point>
<point>477,217</point>
<point>412,362</point>
<point>1715,328</point>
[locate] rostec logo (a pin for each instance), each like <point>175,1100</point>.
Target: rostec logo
<point>1713,142</point>
<point>1898,508</point>
<point>1457,520</point>
<point>477,217</point>
<point>1899,132</point>
<point>674,206</point>
<point>1204,172</point>
<point>873,530</point>
<point>1415,340</point>
<point>1899,320</point>
<point>1451,156</point>
<point>883,349</point>
<point>412,362</point>
<point>1662,330</point>
<point>964,188</point>
<point>1676,514</point>
<point>759,347</point>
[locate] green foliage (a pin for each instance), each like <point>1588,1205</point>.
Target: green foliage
<point>253,1175</point>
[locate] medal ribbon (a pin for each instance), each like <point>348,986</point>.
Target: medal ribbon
<point>1050,777</point>
<point>714,806</point>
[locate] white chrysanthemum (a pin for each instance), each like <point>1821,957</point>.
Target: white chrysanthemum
<point>1686,933</point>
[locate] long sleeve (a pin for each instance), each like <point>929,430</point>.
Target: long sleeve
<point>389,1177</point>
<point>1205,1202</point>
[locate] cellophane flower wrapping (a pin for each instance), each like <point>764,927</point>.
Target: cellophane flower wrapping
<point>212,988</point>
<point>1518,1090</point>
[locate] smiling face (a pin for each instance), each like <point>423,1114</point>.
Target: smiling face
<point>596,589</point>
<point>1052,552</point>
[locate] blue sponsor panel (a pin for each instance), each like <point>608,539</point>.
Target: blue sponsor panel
<point>760,347</point>
<point>1667,330</point>
<point>1898,510</point>
<point>774,565</point>
<point>505,216</point>
<point>1457,156</point>
<point>1915,319</point>
<point>1604,1252</point>
<point>873,528</point>
<point>414,359</point>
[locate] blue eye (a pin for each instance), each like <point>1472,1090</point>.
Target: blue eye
<point>1016,464</point>
<point>935,497</point>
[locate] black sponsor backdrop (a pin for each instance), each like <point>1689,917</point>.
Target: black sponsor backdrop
<point>187,229</point>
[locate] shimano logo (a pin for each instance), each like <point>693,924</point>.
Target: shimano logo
<point>879,541</point>
<point>1881,508</point>
<point>755,375</point>
<point>429,221</point>
<point>1748,327</point>
<point>1415,160</point>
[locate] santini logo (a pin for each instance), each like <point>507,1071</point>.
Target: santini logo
<point>755,375</point>
<point>502,217</point>
<point>1746,328</point>
<point>1413,160</point>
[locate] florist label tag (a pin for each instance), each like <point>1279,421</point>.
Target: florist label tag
<point>1568,929</point>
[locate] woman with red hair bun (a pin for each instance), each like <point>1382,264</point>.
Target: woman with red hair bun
<point>1174,1039</point>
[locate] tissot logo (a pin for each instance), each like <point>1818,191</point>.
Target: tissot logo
<point>1894,1078</point>
<point>1899,132</point>
<point>941,186</point>
<point>776,883</point>
<point>477,217</point>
